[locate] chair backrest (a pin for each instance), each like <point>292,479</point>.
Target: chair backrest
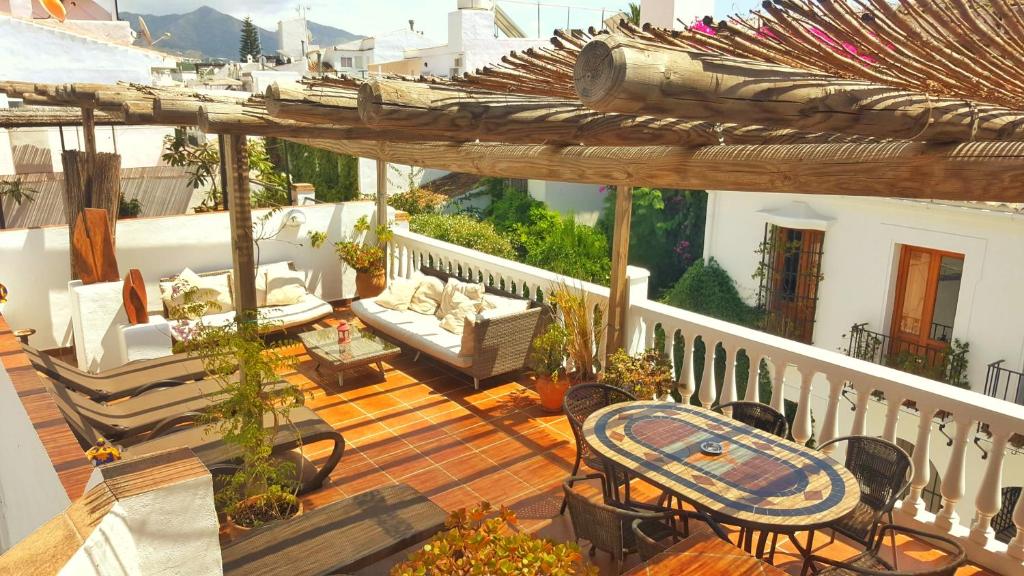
<point>86,434</point>
<point>883,471</point>
<point>760,416</point>
<point>1002,522</point>
<point>605,527</point>
<point>582,400</point>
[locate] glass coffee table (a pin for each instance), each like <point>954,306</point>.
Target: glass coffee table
<point>362,349</point>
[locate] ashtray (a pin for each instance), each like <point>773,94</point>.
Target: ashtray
<point>711,448</point>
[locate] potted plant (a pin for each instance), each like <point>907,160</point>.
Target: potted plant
<point>583,326</point>
<point>646,375</point>
<point>259,488</point>
<point>547,359</point>
<point>477,542</point>
<point>369,261</point>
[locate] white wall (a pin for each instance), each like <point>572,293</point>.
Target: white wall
<point>30,491</point>
<point>398,177</point>
<point>860,262</point>
<point>139,146</point>
<point>585,201</point>
<point>36,261</point>
<point>38,53</point>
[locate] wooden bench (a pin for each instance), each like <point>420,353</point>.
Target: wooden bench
<point>343,536</point>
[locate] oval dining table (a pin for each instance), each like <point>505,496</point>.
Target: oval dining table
<point>758,482</point>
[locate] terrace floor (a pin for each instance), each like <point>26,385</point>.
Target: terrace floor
<point>426,426</point>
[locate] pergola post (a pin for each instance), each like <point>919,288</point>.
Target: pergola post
<point>236,166</point>
<point>382,192</point>
<point>618,296</point>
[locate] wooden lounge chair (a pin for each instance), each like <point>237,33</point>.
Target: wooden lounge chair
<point>127,420</point>
<point>305,427</point>
<point>128,380</point>
<point>339,537</point>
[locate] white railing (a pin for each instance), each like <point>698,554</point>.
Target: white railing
<point>816,380</point>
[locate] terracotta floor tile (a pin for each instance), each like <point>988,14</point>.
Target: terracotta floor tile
<point>499,487</point>
<point>359,428</point>
<point>470,467</point>
<point>378,403</point>
<point>508,452</point>
<point>368,479</point>
<point>400,464</point>
<point>432,481</point>
<point>339,411</point>
<point>540,472</point>
<point>460,497</point>
<point>420,432</point>
<point>382,444</point>
<point>398,416</point>
<point>438,408</point>
<point>444,449</point>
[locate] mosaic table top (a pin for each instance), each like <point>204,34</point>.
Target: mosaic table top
<point>759,480</point>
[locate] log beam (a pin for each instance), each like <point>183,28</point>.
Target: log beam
<point>974,171</point>
<point>617,74</point>
<point>255,121</point>
<point>336,107</point>
<point>32,117</point>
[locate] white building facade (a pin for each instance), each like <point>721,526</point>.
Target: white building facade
<point>916,275</point>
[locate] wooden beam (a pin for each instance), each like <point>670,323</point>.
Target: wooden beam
<point>336,107</point>
<point>618,295</point>
<point>974,171</point>
<point>513,118</point>
<point>618,74</point>
<point>236,166</point>
<point>255,121</point>
<point>33,117</point>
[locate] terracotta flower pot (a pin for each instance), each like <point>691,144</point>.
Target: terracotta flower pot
<point>233,530</point>
<point>551,392</point>
<point>370,284</point>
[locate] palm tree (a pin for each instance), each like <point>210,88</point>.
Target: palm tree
<point>17,192</point>
<point>634,14</point>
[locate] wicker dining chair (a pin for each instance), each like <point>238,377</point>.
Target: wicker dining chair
<point>653,538</point>
<point>760,416</point>
<point>581,401</point>
<point>607,525</point>
<point>870,562</point>
<point>883,471</point>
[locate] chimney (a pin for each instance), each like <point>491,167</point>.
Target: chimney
<point>412,25</point>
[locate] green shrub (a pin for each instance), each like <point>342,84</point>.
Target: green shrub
<point>560,244</point>
<point>417,201</point>
<point>706,288</point>
<point>509,207</point>
<point>465,231</point>
<point>666,231</point>
<point>335,176</point>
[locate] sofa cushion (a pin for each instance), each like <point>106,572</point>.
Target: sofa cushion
<point>500,305</point>
<point>414,330</point>
<point>285,287</point>
<point>189,289</point>
<point>399,293</point>
<point>427,297</point>
<point>308,309</point>
<point>261,279</point>
<point>462,309</point>
<point>474,292</point>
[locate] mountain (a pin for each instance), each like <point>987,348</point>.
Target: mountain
<point>206,32</point>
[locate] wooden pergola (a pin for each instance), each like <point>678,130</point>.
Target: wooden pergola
<point>919,100</point>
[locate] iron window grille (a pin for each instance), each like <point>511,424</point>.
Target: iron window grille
<point>789,274</point>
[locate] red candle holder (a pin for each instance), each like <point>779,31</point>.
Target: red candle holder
<point>343,332</point>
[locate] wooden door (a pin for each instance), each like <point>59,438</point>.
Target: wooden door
<point>790,285</point>
<point>927,289</point>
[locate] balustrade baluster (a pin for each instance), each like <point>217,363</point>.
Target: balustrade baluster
<point>706,394</point>
<point>802,429</point>
<point>989,498</point>
<point>913,503</point>
<point>779,385</point>
<point>729,383</point>
<point>753,393</point>
<point>860,413</point>
<point>689,381</point>
<point>830,425</point>
<point>892,417</point>
<point>953,482</point>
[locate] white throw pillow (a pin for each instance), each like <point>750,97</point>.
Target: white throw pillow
<point>189,289</point>
<point>399,294</point>
<point>217,288</point>
<point>261,280</point>
<point>285,288</point>
<point>503,304</point>
<point>427,297</point>
<point>462,308</point>
<point>473,292</point>
<point>468,347</point>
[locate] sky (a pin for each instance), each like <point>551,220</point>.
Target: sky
<point>371,17</point>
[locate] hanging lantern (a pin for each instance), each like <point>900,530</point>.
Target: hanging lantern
<point>55,8</point>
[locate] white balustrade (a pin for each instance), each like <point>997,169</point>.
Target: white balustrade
<point>913,504</point>
<point>953,483</point>
<point>868,384</point>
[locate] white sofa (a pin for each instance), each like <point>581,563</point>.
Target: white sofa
<point>499,345</point>
<point>308,309</point>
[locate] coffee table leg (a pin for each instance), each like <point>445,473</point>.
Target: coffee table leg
<point>380,368</point>
<point>341,378</point>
